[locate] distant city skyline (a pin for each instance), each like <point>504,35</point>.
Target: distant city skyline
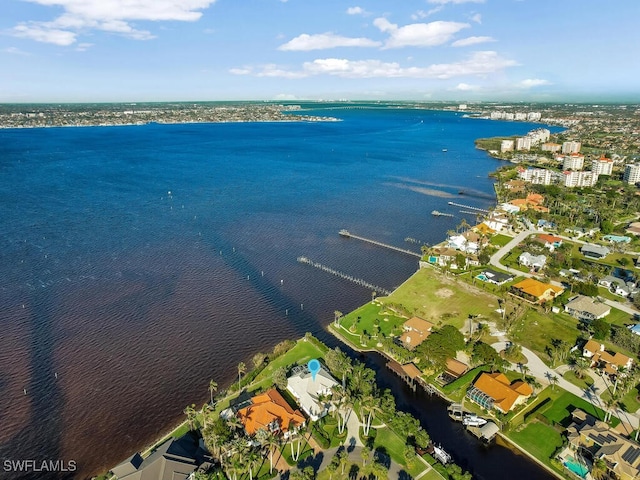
<point>421,50</point>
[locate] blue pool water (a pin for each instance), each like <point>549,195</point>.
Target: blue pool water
<point>576,467</point>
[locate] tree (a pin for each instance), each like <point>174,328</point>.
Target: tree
<point>343,459</point>
<point>258,359</point>
<point>370,407</point>
<point>600,329</point>
<point>241,369</point>
<point>366,455</point>
<point>599,469</point>
<point>190,412</point>
<point>580,366</point>
<point>554,381</point>
<point>337,315</point>
<point>213,387</point>
<point>280,378</point>
<point>251,462</point>
<point>234,424</point>
<point>270,442</point>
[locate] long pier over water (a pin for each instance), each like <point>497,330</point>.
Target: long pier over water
<point>346,233</point>
<point>351,278</point>
<point>475,209</point>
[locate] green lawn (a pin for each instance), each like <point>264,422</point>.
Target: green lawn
<point>500,240</point>
<point>564,403</point>
<point>540,440</point>
<point>440,299</point>
<point>582,383</point>
<point>535,330</point>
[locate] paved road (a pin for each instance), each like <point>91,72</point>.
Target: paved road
<point>544,374</point>
<point>496,257</point>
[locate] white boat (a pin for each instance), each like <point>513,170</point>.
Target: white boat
<point>441,455</point>
<point>472,420</point>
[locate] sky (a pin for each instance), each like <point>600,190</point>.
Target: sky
<point>420,50</point>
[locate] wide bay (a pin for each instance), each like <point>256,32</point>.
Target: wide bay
<point>138,262</point>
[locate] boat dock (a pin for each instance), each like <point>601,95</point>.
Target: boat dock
<point>436,213</point>
<point>351,278</point>
<point>347,234</point>
<point>485,433</point>
<point>475,209</point>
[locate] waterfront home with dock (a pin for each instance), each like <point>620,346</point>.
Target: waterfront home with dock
<point>270,411</point>
<point>309,390</point>
<point>494,390</point>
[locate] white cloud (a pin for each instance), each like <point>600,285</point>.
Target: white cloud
<point>421,14</point>
<point>241,71</point>
<point>478,64</point>
<point>107,15</point>
<point>477,18</point>
<point>45,34</point>
<point>444,2</point>
<point>83,47</point>
<point>323,41</point>
<point>465,42</point>
<point>15,51</point>
<point>533,82</point>
<point>418,34</point>
<point>356,11</point>
<point>465,87</point>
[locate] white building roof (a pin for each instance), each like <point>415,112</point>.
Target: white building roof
<point>307,390</point>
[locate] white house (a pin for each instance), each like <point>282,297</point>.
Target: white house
<point>535,262</point>
<point>309,391</point>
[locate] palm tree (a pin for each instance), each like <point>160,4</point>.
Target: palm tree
<point>524,369</point>
<point>190,412</point>
<point>204,411</point>
<point>611,404</point>
<point>337,315</point>
<point>234,424</point>
<point>378,470</point>
<point>213,387</point>
<point>621,372</point>
<point>299,436</point>
<point>271,443</point>
<point>372,407</point>
<point>599,469</point>
<point>580,366</point>
<point>252,460</point>
<point>241,369</point>
<point>554,381</point>
<point>343,459</point>
<point>366,455</point>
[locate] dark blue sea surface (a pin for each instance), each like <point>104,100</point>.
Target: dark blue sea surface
<point>138,262</point>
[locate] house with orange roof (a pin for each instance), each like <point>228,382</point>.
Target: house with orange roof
<point>270,411</point>
<point>521,203</point>
<point>535,199</point>
<point>494,390</point>
<point>600,358</point>
<point>416,331</point>
<point>550,242</point>
<point>534,291</point>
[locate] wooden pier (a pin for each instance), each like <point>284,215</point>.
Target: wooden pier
<point>475,209</point>
<point>347,234</point>
<point>351,278</point>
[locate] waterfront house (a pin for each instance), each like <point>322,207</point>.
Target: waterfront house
<point>586,309</point>
<point>496,221</point>
<point>495,391</point>
<point>444,256</point>
<point>311,393</point>
<point>416,331</point>
<point>173,459</point>
<point>534,262</point>
<point>594,251</point>
<point>270,411</point>
<point>509,208</point>
<point>588,436</point>
<point>600,358</point>
<point>534,291</point>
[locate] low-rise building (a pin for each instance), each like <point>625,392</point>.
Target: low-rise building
<point>550,242</point>
<point>311,391</point>
<point>497,278</point>
<point>494,390</point>
<point>415,331</point>
<point>534,262</point>
<point>586,309</point>
<point>551,147</point>
<point>534,291</point>
<point>270,411</point>
<point>600,358</point>
<point>595,438</point>
<point>594,251</point>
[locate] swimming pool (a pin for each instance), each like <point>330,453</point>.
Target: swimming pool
<point>576,467</point>
<point>482,277</point>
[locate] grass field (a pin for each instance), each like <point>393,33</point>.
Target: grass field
<point>500,240</point>
<point>540,440</point>
<point>431,295</point>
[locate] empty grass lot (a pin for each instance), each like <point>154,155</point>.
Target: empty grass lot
<point>431,295</point>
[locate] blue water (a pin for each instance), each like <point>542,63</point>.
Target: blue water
<point>138,262</point>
